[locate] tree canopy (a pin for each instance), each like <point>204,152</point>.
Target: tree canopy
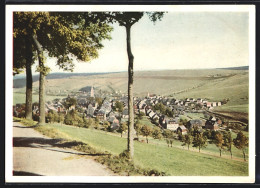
<point>63,35</point>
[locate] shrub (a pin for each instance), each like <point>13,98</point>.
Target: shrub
<point>28,122</point>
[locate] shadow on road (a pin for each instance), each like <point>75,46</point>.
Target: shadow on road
<point>49,144</point>
<point>22,173</point>
<point>25,126</point>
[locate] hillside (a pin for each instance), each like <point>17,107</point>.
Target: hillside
<point>213,84</point>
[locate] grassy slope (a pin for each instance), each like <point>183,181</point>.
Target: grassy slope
<point>20,98</point>
<point>174,161</point>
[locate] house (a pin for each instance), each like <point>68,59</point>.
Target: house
<point>194,123</point>
<point>208,104</point>
<point>182,130</point>
<point>212,123</point>
<point>114,123</point>
<point>91,110</point>
<point>219,104</point>
<point>172,125</point>
<point>151,114</point>
<point>213,104</point>
<point>155,116</point>
<point>142,110</point>
<point>141,104</point>
<point>199,100</point>
<point>148,111</point>
<point>101,115</point>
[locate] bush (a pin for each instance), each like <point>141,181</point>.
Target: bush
<point>21,114</point>
<point>121,165</point>
<point>28,123</point>
<point>157,134</point>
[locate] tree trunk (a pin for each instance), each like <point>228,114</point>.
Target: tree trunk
<point>41,81</point>
<point>146,139</point>
<point>220,152</point>
<point>231,154</point>
<point>188,147</point>
<point>130,141</point>
<point>28,101</point>
<point>244,155</point>
<point>199,148</point>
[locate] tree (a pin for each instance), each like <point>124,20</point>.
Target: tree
<point>169,112</point>
<point>106,125</point>
<point>61,118</point>
<point>138,129</point>
<point>207,133</point>
<point>157,134</point>
<point>183,122</point>
<point>96,123</point>
<point>160,106</point>
<point>119,106</point>
<point>128,19</point>
<point>73,118</point>
<point>199,141</point>
<point>23,58</point>
<point>146,131</point>
<point>228,142</point>
<point>122,128</point>
<point>241,142</point>
<point>99,100</point>
<point>70,101</point>
<point>168,135</point>
<point>89,122</point>
<point>140,115</point>
<point>187,140</point>
<point>219,142</point>
<point>61,35</point>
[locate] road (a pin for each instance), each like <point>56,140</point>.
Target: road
<point>35,154</point>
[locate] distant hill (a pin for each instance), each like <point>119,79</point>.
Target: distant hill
<point>237,68</point>
<point>20,80</point>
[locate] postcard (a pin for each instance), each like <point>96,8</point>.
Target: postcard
<point>130,93</point>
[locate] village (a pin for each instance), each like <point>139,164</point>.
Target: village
<point>164,112</point>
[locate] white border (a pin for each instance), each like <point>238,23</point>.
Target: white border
<point>133,179</point>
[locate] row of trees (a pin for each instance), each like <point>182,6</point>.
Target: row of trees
<point>223,140</point>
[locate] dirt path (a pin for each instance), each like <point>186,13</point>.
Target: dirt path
<point>35,154</point>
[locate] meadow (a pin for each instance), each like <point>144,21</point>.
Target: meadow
<point>19,98</point>
<point>175,161</point>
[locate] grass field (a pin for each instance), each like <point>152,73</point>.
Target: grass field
<point>174,161</point>
<point>19,98</point>
<point>195,115</point>
<point>145,121</point>
<point>234,108</point>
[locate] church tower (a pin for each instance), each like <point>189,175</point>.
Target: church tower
<point>92,92</point>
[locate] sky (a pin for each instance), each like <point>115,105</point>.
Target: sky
<point>181,40</point>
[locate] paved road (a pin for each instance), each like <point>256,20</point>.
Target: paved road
<point>35,154</point>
